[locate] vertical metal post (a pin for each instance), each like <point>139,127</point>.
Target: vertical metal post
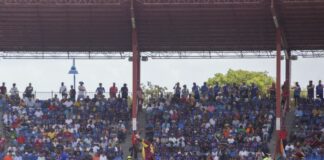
<point>136,68</point>
<point>278,89</point>
<point>74,81</point>
<point>288,77</point>
<point>73,74</point>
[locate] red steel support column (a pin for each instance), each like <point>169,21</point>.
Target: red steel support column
<point>136,67</point>
<point>278,89</point>
<point>288,77</point>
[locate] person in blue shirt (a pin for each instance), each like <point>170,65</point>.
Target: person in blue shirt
<point>254,90</point>
<point>204,90</point>
<point>297,91</point>
<point>310,91</point>
<point>195,90</point>
<point>244,90</point>
<point>63,156</point>
<point>225,90</point>
<point>100,90</point>
<point>124,91</point>
<point>299,112</point>
<point>319,90</point>
<point>177,90</point>
<point>216,89</point>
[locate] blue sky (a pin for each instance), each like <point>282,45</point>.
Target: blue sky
<point>46,75</point>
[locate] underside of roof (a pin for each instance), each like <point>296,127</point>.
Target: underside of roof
<point>162,25</point>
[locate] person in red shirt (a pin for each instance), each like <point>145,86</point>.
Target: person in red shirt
<point>96,156</point>
<point>21,139</point>
<point>3,89</point>
<point>8,156</point>
<point>113,91</point>
<point>38,144</point>
<point>135,144</point>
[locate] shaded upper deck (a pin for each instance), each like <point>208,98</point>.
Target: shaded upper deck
<point>163,25</point>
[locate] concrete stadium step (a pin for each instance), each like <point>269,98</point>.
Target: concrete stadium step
<point>289,126</point>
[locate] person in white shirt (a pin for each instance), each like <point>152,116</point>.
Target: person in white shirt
<point>17,157</point>
<point>38,113</point>
<point>30,102</point>
<point>68,103</point>
<point>95,149</point>
<point>230,140</point>
<point>103,157</point>
<point>289,147</point>
<point>63,90</point>
<point>82,91</point>
<point>14,91</point>
<point>41,156</point>
<point>184,92</point>
<point>243,153</point>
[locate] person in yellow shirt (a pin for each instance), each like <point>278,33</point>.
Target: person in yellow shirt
<point>147,150</point>
<point>191,100</point>
<point>77,103</point>
<point>51,134</point>
<point>316,112</point>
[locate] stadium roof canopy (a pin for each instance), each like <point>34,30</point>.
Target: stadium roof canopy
<point>162,25</point>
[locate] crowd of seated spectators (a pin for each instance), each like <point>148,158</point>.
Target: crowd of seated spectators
<point>219,122</point>
<point>307,137</point>
<point>66,128</point>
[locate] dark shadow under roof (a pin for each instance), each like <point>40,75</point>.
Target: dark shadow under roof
<point>163,25</point>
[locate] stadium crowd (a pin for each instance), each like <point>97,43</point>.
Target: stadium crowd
<point>63,129</point>
<point>219,122</point>
<point>232,121</point>
<point>307,137</point>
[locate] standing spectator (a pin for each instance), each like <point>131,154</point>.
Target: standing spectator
<point>3,89</point>
<point>82,91</point>
<point>204,90</point>
<point>319,90</point>
<point>177,90</point>
<point>124,91</point>
<point>226,89</point>
<point>216,89</point>
<point>310,91</point>
<point>272,91</point>
<point>72,93</point>
<point>244,90</point>
<point>113,91</point>
<point>29,91</point>
<point>63,90</point>
<point>184,92</point>
<point>14,91</point>
<point>297,91</point>
<point>195,90</point>
<point>285,92</point>
<point>100,90</point>
<point>254,90</point>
